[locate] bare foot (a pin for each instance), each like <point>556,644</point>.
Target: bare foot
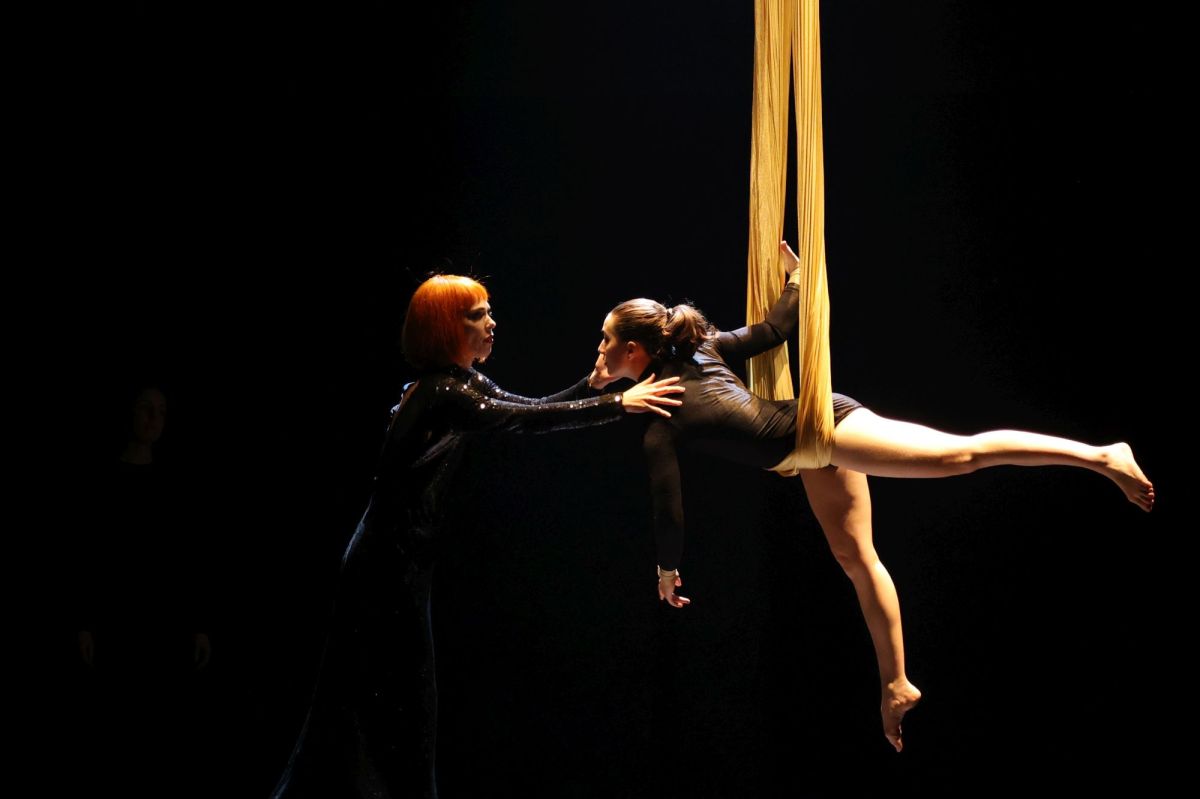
<point>1122,469</point>
<point>899,697</point>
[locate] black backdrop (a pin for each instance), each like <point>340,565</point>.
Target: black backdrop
<point>261,189</point>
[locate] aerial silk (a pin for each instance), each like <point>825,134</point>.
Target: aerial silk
<point>787,34</point>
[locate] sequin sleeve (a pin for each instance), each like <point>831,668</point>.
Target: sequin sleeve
<point>473,410</point>
<point>486,385</point>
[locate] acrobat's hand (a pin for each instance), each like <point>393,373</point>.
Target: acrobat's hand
<point>788,259</point>
<point>668,581</point>
<point>600,377</point>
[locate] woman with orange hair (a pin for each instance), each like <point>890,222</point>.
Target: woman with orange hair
<point>372,727</point>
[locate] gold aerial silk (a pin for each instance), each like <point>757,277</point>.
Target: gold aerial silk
<point>787,33</point>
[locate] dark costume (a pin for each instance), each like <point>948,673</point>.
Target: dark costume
<point>721,417</point>
<point>371,731</point>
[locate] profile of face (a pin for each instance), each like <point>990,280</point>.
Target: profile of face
<point>149,416</point>
<point>479,331</point>
<point>614,352</point>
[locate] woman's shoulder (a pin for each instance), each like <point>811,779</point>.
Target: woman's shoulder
<point>442,377</point>
<point>711,346</point>
<point>430,386</point>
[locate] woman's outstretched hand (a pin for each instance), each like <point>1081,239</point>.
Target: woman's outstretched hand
<point>667,583</point>
<point>649,395</point>
<point>788,259</point>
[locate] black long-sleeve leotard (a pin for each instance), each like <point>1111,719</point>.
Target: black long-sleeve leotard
<point>720,416</point>
<point>372,726</point>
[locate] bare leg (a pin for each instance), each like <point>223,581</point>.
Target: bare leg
<point>841,500</point>
<point>872,444</point>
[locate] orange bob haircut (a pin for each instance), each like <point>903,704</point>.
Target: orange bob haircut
<point>434,334</point>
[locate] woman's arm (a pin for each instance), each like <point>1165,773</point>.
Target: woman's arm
<point>578,391</point>
<point>477,411</point>
<point>778,326</point>
<point>667,495</point>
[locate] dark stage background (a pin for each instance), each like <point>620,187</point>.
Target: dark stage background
<point>266,186</point>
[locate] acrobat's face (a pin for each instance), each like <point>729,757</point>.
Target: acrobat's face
<point>616,353</point>
<point>479,331</point>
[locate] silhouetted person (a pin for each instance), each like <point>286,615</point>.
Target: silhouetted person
<point>138,581</point>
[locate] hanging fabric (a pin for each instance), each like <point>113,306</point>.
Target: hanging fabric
<point>787,36</point>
